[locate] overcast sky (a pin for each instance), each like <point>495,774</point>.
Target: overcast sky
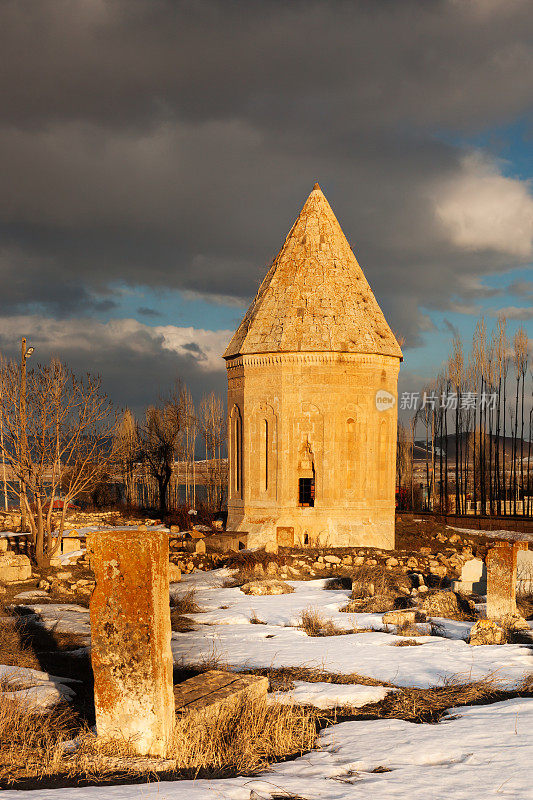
<point>155,154</point>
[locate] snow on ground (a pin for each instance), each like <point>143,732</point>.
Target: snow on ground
<point>34,689</point>
<point>329,695</point>
<point>233,607</point>
<point>61,617</point>
<point>373,655</point>
<point>517,536</point>
<point>477,752</point>
<point>225,632</point>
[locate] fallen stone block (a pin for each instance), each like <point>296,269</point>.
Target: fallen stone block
<point>266,587</point>
<point>211,691</point>
<point>449,605</point>
<point>174,573</point>
<point>14,567</point>
<point>403,616</point>
<point>486,631</point>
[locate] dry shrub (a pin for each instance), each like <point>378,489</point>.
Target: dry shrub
<point>185,603</point>
<point>377,604</point>
<point>252,566</point>
<point>376,589</point>
<point>242,737</point>
<point>254,619</point>
<point>314,624</point>
<point>181,604</point>
<point>371,580</point>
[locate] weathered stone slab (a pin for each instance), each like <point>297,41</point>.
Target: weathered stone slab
<point>473,577</point>
<point>211,690</point>
<point>130,629</point>
<point>14,567</point>
<point>501,579</point>
<point>71,542</point>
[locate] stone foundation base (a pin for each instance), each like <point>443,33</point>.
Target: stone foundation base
<point>314,528</point>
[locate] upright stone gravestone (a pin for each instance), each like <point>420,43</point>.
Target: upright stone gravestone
<point>130,632</point>
<point>501,579</point>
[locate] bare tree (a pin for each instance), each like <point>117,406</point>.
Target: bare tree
<point>127,449</point>
<point>190,426</point>
<point>57,444</point>
<point>159,439</point>
<point>212,419</point>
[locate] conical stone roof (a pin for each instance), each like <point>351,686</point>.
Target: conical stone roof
<point>315,297</point>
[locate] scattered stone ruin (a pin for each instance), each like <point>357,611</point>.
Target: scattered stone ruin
<point>130,629</point>
<point>312,388</point>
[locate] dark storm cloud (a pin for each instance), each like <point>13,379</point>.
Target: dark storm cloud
<point>137,363</point>
<point>172,144</point>
<point>143,311</point>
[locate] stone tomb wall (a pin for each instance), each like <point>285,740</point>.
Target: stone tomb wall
<point>312,416</point>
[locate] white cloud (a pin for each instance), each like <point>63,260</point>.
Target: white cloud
<point>514,312</point>
<point>201,347</point>
<point>481,209</point>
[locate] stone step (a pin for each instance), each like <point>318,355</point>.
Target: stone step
<point>210,690</point>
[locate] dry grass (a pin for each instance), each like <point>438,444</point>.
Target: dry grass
<point>242,738</point>
<point>31,744</point>
<point>15,645</point>
<point>407,643</point>
<point>185,603</point>
<point>377,604</point>
<point>180,605</point>
<point>254,619</point>
<point>429,705</point>
<point>280,677</point>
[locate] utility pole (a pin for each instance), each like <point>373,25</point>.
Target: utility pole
<point>25,354</point>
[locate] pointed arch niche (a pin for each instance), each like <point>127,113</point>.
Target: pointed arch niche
<point>353,452</point>
<point>235,442</point>
<point>308,437</point>
<point>265,467</point>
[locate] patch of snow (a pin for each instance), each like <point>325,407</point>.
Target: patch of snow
<point>516,536</point>
<point>66,558</point>
<point>37,690</point>
<point>32,594</point>
<point>329,695</point>
<point>61,617</point>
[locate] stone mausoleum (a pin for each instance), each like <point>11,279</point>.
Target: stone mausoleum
<point>312,391</point>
